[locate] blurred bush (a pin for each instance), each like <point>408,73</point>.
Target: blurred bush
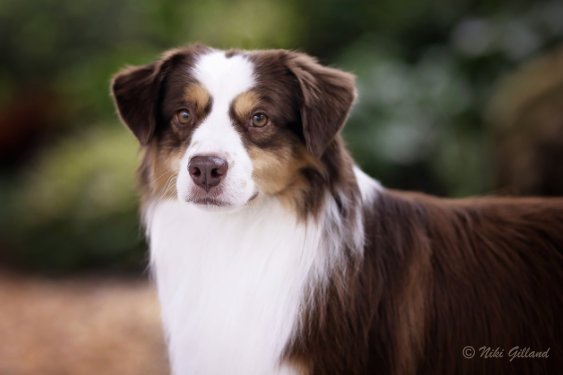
<point>421,118</point>
<point>426,74</point>
<point>527,113</point>
<point>76,208</point>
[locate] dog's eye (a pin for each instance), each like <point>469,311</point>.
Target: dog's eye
<point>183,117</point>
<point>259,120</point>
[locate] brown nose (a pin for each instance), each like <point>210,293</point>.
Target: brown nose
<point>207,171</point>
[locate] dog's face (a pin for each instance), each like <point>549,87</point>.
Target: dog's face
<point>221,129</point>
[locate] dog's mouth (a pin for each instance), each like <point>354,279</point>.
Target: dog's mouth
<point>208,200</point>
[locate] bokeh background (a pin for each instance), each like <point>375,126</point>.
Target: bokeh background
<point>456,98</point>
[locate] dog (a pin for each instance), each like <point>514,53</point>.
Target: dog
<point>273,253</point>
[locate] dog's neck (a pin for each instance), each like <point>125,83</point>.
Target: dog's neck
<point>231,284</point>
<point>258,266</point>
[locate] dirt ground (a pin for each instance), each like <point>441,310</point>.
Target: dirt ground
<point>79,327</point>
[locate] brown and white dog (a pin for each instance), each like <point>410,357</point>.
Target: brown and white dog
<point>274,254</point>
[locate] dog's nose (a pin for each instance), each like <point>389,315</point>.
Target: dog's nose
<point>207,171</point>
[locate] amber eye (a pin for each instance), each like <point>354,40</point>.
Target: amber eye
<point>183,117</point>
<point>259,120</point>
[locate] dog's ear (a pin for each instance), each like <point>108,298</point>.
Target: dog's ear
<point>136,91</point>
<point>327,97</point>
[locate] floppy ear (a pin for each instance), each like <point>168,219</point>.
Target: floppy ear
<point>135,94</point>
<point>136,90</point>
<point>328,95</point>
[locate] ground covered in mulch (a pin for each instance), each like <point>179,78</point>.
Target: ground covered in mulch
<point>92,325</point>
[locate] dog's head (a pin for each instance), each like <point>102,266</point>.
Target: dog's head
<point>221,128</point>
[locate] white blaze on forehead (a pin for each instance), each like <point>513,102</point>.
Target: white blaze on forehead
<point>224,77</point>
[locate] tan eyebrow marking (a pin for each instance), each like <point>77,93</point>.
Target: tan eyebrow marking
<point>199,96</point>
<point>245,103</point>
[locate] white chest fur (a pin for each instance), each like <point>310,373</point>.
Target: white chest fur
<point>231,284</point>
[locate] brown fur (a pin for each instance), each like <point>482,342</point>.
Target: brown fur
<point>436,275</point>
<point>277,173</point>
<point>439,275</point>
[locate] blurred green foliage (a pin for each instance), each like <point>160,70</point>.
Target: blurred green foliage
<point>76,206</point>
<point>425,72</point>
